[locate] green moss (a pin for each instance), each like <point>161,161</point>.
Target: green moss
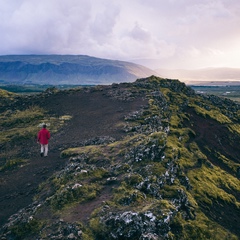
<point>18,134</point>
<point>169,192</point>
<point>166,92</point>
<point>26,229</point>
<point>6,94</point>
<point>153,108</point>
<point>157,169</point>
<point>69,195</point>
<point>21,118</point>
<point>98,173</point>
<point>173,142</point>
<point>133,198</point>
<point>98,228</point>
<point>175,121</point>
<point>22,125</point>
<point>235,128</point>
<point>187,159</point>
<point>193,147</point>
<point>221,118</point>
<point>207,184</point>
<point>55,123</point>
<point>199,228</point>
<point>227,162</point>
<point>12,163</point>
<point>93,150</point>
<point>126,195</point>
<point>203,228</point>
<point>213,113</point>
<point>160,136</point>
<point>87,235</point>
<point>134,179</point>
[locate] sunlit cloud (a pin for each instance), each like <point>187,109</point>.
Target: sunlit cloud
<point>157,33</point>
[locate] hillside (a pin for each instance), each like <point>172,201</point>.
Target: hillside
<point>67,69</point>
<point>144,160</point>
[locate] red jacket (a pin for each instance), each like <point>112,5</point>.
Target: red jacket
<point>43,136</point>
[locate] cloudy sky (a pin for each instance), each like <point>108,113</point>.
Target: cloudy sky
<point>156,33</point>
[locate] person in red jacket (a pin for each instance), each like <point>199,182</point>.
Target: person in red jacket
<point>43,137</point>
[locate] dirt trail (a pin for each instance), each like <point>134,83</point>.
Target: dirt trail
<point>19,186</point>
<point>93,115</point>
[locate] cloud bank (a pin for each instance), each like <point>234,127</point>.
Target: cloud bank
<point>155,33</point>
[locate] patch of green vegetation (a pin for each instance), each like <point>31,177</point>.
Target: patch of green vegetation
<point>223,159</point>
<point>165,91</point>
<point>169,192</point>
<point>129,141</point>
<point>199,228</point>
<point>12,163</point>
<point>235,128</point>
<point>76,193</point>
<point>173,141</point>
<point>98,174</point>
<point>54,123</point>
<point>221,118</point>
<point>186,159</point>
<point>26,229</point>
<point>193,147</point>
<point>208,182</point>
<point>18,134</point>
<point>20,118</point>
<point>175,121</point>
<point>213,113</point>
<point>20,125</point>
<point>87,150</point>
<point>134,179</point>
<point>97,227</point>
<point>161,138</point>
<point>157,168</point>
<point>6,94</point>
<point>153,108</point>
<point>125,196</point>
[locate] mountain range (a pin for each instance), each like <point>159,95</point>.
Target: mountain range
<point>146,160</point>
<point>68,69</point>
<point>87,70</point>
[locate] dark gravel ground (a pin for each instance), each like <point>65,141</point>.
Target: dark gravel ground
<point>94,114</point>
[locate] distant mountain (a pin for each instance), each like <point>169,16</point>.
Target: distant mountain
<point>67,69</point>
<point>202,75</point>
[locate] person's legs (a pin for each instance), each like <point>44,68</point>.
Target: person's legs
<point>42,150</point>
<point>45,150</point>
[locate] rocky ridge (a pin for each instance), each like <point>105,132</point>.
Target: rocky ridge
<point>171,172</point>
